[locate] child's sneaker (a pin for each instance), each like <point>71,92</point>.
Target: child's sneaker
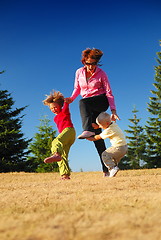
<point>65,177</point>
<point>113,171</point>
<point>54,158</point>
<point>106,174</point>
<point>86,134</point>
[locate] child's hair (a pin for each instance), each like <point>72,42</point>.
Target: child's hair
<point>54,97</point>
<point>103,119</point>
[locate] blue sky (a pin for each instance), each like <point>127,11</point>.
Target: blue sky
<point>41,44</point>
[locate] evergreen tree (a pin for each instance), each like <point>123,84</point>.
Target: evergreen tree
<point>13,145</point>
<point>137,144</point>
<point>153,129</point>
<point>40,148</point>
<point>124,164</point>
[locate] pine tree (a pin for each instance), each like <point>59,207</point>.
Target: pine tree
<point>136,146</point>
<point>40,147</point>
<point>13,145</point>
<point>153,129</point>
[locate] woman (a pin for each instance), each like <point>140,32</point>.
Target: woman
<point>91,82</point>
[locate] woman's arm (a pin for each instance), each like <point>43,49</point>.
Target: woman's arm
<point>76,90</point>
<point>110,97</point>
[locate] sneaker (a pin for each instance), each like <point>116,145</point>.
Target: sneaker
<point>113,171</point>
<point>54,158</point>
<point>86,134</point>
<point>65,177</point>
<point>106,174</point>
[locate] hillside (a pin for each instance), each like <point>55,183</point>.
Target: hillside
<point>40,206</point>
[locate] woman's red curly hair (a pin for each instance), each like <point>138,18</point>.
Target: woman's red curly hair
<point>91,53</point>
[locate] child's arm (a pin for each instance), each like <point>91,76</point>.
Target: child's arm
<point>94,138</point>
<point>68,100</point>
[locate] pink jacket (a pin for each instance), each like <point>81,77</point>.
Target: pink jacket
<point>96,85</point>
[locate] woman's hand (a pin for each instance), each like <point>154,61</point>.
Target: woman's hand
<point>68,100</point>
<point>114,116</point>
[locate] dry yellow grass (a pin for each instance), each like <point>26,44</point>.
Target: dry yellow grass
<point>87,207</point>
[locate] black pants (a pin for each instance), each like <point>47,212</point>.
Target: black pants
<point>90,108</point>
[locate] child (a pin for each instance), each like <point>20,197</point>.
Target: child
<point>62,143</point>
<point>111,156</point>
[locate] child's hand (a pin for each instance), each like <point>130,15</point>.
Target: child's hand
<point>90,139</point>
<point>95,125</point>
<point>68,100</point>
<point>94,138</point>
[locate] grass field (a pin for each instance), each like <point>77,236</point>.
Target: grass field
<point>40,206</point>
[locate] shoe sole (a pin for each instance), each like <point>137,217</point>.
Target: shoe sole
<point>81,137</point>
<point>51,160</point>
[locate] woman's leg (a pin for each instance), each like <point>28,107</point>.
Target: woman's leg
<point>88,105</point>
<point>100,147</point>
<point>86,114</point>
<point>100,144</point>
<point>90,108</point>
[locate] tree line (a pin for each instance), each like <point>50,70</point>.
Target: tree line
<point>20,154</point>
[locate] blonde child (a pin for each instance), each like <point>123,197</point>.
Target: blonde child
<point>111,156</point>
<point>62,143</point>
